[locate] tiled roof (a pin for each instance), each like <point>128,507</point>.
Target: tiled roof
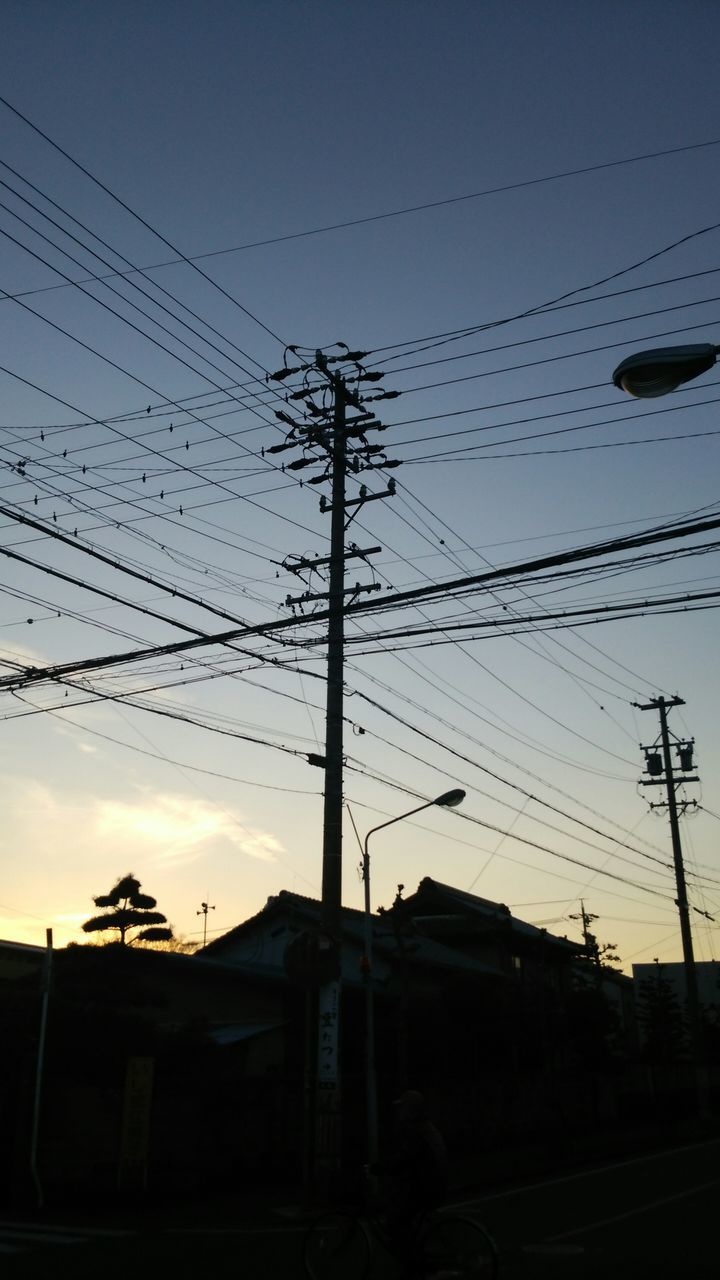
<point>419,948</point>
<point>472,905</point>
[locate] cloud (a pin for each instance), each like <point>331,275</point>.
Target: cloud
<point>175,829</point>
<point>26,655</point>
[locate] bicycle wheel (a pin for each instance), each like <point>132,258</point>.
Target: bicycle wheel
<point>337,1247</point>
<point>458,1249</point>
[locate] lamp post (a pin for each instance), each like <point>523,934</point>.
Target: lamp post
<point>660,370</point>
<point>648,374</point>
<point>448,800</point>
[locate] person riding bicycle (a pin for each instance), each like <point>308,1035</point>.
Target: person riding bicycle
<point>415,1170</point>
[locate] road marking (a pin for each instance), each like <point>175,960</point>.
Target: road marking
<point>632,1213</point>
<point>270,1228</point>
<point>56,1226</point>
<point>554,1250</point>
<point>44,1237</point>
<point>16,1237</point>
<point>582,1173</point>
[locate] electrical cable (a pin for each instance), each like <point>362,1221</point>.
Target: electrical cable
<point>147,225</point>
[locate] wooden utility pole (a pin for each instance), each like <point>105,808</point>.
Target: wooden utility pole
<point>329,438</point>
<point>660,767</point>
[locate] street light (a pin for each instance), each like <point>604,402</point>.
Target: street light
<point>448,800</point>
<point>646,375</point>
<point>654,373</point>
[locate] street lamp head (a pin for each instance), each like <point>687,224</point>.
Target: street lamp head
<point>449,799</point>
<point>662,369</point>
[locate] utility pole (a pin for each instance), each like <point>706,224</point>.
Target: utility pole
<point>330,385</point>
<point>589,939</point>
<point>659,766</point>
<point>595,952</point>
<point>204,908</point>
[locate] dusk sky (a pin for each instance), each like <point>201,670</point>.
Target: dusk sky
<point>498,202</point>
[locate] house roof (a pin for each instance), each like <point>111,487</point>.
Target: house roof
<point>418,949</point>
<point>305,910</point>
<point>469,906</point>
<point>20,959</point>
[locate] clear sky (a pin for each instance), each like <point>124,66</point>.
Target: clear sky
<point>384,174</point>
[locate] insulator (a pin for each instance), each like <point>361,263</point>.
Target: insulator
<point>371,377</point>
<point>285,373</point>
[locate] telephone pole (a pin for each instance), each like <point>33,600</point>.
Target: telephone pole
<point>659,766</point>
<point>204,908</point>
<point>589,940</point>
<point>331,383</point>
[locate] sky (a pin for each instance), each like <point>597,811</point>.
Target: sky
<point>498,202</point>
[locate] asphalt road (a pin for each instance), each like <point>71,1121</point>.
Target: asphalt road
<point>652,1216</point>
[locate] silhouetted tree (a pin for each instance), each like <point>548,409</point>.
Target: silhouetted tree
<point>126,909</point>
<point>661,1017</point>
<point>593,1025</point>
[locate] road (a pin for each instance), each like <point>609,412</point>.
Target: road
<point>651,1216</point>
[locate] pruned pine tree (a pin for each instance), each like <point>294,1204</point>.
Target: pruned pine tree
<point>130,914</point>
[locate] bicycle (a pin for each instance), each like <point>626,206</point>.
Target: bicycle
<point>341,1245</point>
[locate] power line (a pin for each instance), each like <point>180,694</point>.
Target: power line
<point>540,308</point>
<point>134,270</point>
<point>398,599</point>
<point>141,220</point>
<point>397,213</point>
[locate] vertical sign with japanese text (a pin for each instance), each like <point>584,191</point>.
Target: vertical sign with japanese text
<point>329,1029</point>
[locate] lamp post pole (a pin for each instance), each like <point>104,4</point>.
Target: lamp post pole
<point>646,375</point>
<point>448,800</point>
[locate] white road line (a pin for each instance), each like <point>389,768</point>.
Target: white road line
<point>632,1213</point>
<point>271,1228</point>
<point>39,1237</point>
<point>57,1226</point>
<point>582,1173</point>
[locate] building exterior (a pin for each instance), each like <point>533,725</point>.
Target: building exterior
<point>163,1069</point>
<point>707,973</point>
